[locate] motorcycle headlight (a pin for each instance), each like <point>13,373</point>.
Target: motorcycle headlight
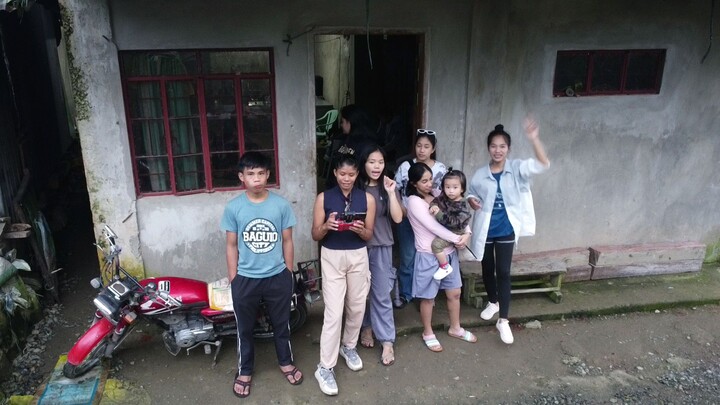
<point>108,306</point>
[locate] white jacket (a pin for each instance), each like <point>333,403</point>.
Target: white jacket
<point>515,186</point>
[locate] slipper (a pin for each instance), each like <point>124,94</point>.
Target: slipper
<point>432,343</point>
<point>243,384</point>
<point>293,373</point>
<point>388,358</point>
<point>466,336</point>
<point>366,339</point>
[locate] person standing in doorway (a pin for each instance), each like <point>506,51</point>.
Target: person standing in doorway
<point>343,221</point>
<point>500,195</point>
<point>259,251</point>
<point>425,145</point>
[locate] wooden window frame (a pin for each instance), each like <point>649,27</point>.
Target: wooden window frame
<point>590,55</point>
<point>199,80</point>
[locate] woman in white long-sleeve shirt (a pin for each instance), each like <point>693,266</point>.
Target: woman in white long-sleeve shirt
<point>500,194</point>
<point>425,287</point>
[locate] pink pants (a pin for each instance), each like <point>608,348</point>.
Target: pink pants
<point>345,286</point>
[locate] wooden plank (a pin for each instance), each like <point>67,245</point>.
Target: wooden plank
<point>614,255</point>
<point>570,257</point>
<point>578,273</point>
<point>646,269</point>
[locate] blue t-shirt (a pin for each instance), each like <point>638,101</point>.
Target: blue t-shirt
<point>499,222</point>
<point>259,228</point>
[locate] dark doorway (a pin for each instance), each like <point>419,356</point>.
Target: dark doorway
<point>388,84</point>
<point>382,74</point>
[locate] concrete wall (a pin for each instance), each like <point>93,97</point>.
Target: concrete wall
<point>625,169</point>
<point>180,235</point>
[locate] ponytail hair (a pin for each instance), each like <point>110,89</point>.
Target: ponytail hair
<point>415,173</point>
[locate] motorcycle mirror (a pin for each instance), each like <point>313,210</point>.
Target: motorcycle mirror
<point>96,282</point>
<point>151,286</point>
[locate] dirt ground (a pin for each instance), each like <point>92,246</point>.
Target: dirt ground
<point>668,356</point>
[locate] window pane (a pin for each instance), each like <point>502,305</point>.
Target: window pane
<point>182,99</point>
<point>145,100</point>
<point>257,115</point>
<point>221,115</point>
<point>149,137</point>
<point>607,71</point>
<point>224,170</point>
<point>189,173</point>
<point>186,136</point>
<point>159,63</point>
<point>642,71</point>
<point>571,72</point>
<point>153,174</point>
<point>236,62</point>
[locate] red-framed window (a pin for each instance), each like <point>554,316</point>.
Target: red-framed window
<point>192,113</point>
<point>608,72</point>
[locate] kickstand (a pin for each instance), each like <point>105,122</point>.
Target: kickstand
<point>218,346</point>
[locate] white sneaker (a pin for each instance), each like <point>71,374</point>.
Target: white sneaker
<point>352,358</point>
<point>441,273</point>
<point>326,379</point>
<point>505,333</point>
<point>490,310</point>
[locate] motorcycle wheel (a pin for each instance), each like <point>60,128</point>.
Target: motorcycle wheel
<point>297,319</point>
<point>92,359</point>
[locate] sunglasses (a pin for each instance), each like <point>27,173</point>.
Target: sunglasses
<point>425,132</point>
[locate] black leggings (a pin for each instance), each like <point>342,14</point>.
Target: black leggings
<point>496,270</point>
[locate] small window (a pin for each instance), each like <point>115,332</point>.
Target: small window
<point>608,72</point>
<point>191,114</point>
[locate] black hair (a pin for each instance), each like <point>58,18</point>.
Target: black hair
<point>499,130</point>
<point>455,174</point>
<point>253,160</point>
<point>346,159</point>
<point>356,116</point>
<point>431,138</point>
<point>364,178</point>
<point>415,173</point>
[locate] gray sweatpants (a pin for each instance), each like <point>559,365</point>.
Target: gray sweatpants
<point>379,314</point>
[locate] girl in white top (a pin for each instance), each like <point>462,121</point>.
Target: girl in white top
<point>500,195</point>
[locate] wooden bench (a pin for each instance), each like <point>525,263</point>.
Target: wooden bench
<point>530,273</point>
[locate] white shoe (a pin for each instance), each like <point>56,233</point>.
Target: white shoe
<point>326,379</point>
<point>505,333</point>
<point>490,310</point>
<point>441,273</point>
<point>352,358</point>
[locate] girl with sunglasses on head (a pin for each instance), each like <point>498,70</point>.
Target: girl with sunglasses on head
<point>425,145</point>
<point>500,195</point>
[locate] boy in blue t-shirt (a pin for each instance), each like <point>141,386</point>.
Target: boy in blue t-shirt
<point>259,251</point>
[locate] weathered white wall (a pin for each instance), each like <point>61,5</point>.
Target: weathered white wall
<point>333,58</point>
<point>625,169</point>
<point>101,125</point>
<point>180,235</point>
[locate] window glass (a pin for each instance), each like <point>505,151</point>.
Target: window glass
<point>642,71</point>
<point>607,71</point>
<point>235,62</point>
<point>571,73</point>
<point>159,63</point>
<point>187,133</point>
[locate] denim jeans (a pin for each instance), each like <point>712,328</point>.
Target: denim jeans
<point>406,239</point>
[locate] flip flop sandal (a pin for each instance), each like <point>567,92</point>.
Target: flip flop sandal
<point>466,336</point>
<point>367,341</point>
<point>292,373</point>
<point>432,343</point>
<point>243,384</point>
<point>388,359</point>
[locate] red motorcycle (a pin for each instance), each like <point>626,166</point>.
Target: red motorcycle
<point>180,306</point>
